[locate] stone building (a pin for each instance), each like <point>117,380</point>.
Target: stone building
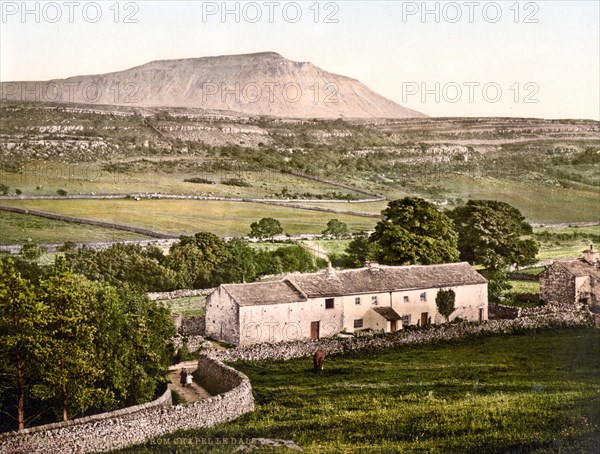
<point>574,282</point>
<point>322,304</point>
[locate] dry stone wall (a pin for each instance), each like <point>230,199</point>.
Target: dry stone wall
<point>108,431</point>
<point>297,349</point>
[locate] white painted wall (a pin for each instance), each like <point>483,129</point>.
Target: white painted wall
<point>353,311</point>
<point>292,321</point>
<point>286,322</point>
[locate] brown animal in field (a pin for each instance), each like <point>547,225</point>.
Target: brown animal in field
<point>318,360</point>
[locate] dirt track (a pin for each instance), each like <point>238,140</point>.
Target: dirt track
<point>191,394</point>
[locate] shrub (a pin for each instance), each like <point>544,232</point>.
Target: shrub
<point>236,182</point>
<point>198,180</point>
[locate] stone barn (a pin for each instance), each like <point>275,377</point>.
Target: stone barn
<point>322,304</point>
<point>574,282</point>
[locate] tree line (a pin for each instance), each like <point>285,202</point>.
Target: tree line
<point>203,260</point>
<point>488,233</point>
<point>71,346</point>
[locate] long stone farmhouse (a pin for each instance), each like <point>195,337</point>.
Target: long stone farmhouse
<point>573,282</point>
<point>322,304</point>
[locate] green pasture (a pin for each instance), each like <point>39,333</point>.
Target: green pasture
<point>178,217</point>
<point>19,228</point>
<point>536,392</point>
<point>163,177</point>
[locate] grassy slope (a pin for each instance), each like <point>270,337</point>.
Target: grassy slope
<point>538,203</point>
<point>19,228</point>
<point>45,178</point>
<point>514,393</point>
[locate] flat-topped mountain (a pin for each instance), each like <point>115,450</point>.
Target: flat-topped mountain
<point>254,84</point>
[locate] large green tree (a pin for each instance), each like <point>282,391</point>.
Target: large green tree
<point>241,264</point>
<point>144,267</point>
<point>68,365</point>
<point>414,231</point>
<point>197,260</point>
<point>336,228</point>
<point>493,234</point>
<point>20,317</point>
<point>70,345</point>
<point>265,228</point>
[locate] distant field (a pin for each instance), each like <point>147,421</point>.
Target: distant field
<point>179,217</point>
<point>539,203</point>
<point>20,228</point>
<point>542,204</point>
<point>45,178</point>
<point>366,207</point>
<point>538,392</point>
<point>565,242</point>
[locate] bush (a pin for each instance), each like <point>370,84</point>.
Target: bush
<point>61,192</point>
<point>236,182</point>
<point>198,180</point>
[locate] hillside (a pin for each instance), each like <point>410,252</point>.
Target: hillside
<point>253,84</point>
<point>547,168</point>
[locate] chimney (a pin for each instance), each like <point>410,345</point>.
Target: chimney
<point>330,270</point>
<point>372,265</point>
<point>591,256</point>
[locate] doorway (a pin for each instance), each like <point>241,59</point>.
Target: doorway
<point>314,330</point>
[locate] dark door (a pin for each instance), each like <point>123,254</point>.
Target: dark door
<point>424,318</point>
<point>393,326</point>
<point>314,330</point>
<point>480,315</point>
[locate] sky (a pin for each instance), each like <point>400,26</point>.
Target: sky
<point>474,58</point>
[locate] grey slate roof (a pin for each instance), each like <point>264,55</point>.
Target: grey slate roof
<point>298,287</point>
<point>579,267</point>
<point>388,313</point>
<point>260,293</point>
<point>381,279</point>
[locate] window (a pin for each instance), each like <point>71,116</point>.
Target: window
<point>405,320</point>
<point>358,323</point>
<point>329,303</point>
<point>374,300</point>
<point>357,300</point>
<point>406,299</point>
<point>423,297</point>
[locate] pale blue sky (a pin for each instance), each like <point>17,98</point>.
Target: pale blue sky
<point>555,61</point>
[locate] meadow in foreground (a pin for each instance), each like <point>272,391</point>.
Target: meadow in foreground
<point>535,392</point>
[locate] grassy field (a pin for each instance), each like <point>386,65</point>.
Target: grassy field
<point>525,286</point>
<point>46,177</point>
<point>538,203</point>
<point>20,228</point>
<point>565,242</point>
<point>538,392</point>
<point>191,306</point>
<point>179,217</point>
